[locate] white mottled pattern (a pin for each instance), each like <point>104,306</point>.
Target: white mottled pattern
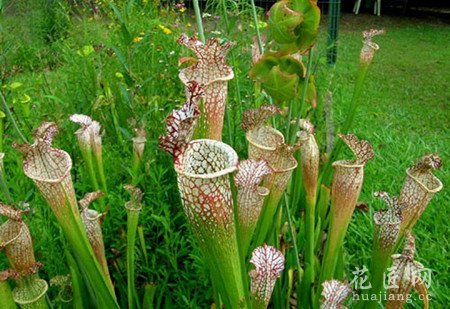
<point>334,294</point>
<point>269,263</point>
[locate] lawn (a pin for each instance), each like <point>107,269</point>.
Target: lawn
<point>404,113</point>
<point>123,71</point>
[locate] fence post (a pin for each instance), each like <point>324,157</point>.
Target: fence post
<point>334,13</point>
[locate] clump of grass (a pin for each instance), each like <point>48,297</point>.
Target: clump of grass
<point>94,67</point>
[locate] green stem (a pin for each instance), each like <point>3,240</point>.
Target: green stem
<point>303,99</point>
<point>86,153</point>
<point>296,189</point>
<point>142,243</point>
<point>360,78</point>
<point>78,287</point>
<point>149,295</point>
<point>98,284</point>
<point>242,254</point>
<point>225,15</point>
<point>334,242</point>
<point>323,205</point>
<point>101,171</point>
<point>229,127</point>
<point>288,123</point>
<point>216,294</point>
<point>132,222</point>
<point>267,217</point>
<point>135,168</point>
<point>294,242</point>
<point>198,18</point>
<point>6,299</point>
<point>231,131</point>
<point>308,279</point>
<point>255,22</point>
<point>11,118</point>
<point>1,134</point>
<point>381,257</point>
<point>4,186</point>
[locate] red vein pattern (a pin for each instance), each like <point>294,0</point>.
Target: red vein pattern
<point>203,180</point>
<point>49,168</point>
<point>387,222</point>
<point>310,157</point>
<point>334,294</point>
<point>419,188</point>
<point>15,239</point>
<point>269,263</point>
<point>267,143</point>
<point>91,223</point>
<point>369,47</point>
<point>348,177</point>
<point>212,73</point>
<point>203,171</point>
<point>251,196</point>
<point>136,197</point>
<point>405,274</point>
<point>180,124</point>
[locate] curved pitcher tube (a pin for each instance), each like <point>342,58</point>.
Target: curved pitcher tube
<point>346,186</point>
<point>387,231</point>
<point>203,174</point>
<point>49,168</point>
<point>369,48</point>
<point>348,179</point>
<point>250,197</point>
<point>90,141</point>
<point>91,222</point>
<point>387,223</point>
<point>419,188</point>
<point>310,158</point>
<point>267,143</point>
<point>15,239</point>
<point>282,162</point>
<point>334,294</point>
<point>212,73</point>
<point>269,263</point>
<point>405,274</point>
<point>203,180</point>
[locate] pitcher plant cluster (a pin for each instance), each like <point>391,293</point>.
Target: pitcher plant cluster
<point>271,226</point>
<point>239,209</point>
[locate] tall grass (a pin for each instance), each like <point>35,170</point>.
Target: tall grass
<point>122,70</point>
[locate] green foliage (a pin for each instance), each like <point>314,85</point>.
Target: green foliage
<point>73,63</point>
<point>294,24</point>
<point>282,77</point>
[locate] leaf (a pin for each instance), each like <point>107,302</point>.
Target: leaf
<point>280,76</point>
<point>294,25</point>
<point>308,30</point>
<point>280,85</point>
<point>15,85</point>
<point>283,21</point>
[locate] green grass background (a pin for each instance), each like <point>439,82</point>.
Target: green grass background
<point>404,112</point>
